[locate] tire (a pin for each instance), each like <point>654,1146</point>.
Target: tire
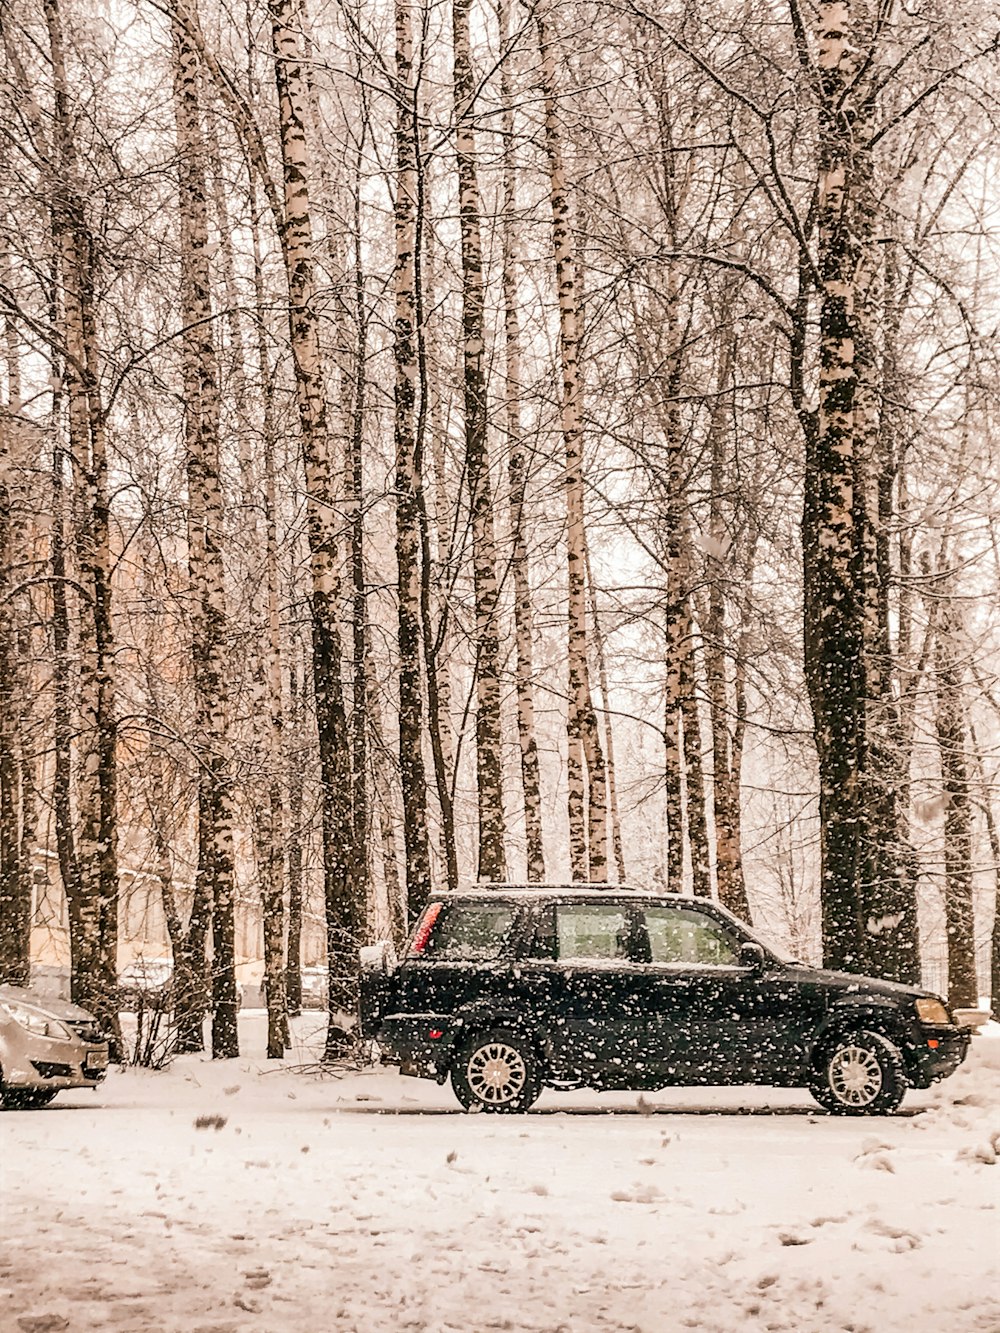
<point>859,1073</point>
<point>496,1071</point>
<point>26,1099</point>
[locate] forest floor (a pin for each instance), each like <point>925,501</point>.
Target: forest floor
<point>250,1195</point>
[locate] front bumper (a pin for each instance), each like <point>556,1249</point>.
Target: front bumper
<point>31,1062</point>
<point>937,1054</point>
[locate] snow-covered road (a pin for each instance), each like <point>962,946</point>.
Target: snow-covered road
<point>224,1198</point>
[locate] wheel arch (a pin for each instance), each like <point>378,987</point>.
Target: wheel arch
<point>868,1015</point>
<point>482,1018</point>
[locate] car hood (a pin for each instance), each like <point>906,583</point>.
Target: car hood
<point>46,1003</point>
<point>847,983</point>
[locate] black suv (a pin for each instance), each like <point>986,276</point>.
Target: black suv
<point>512,988</point>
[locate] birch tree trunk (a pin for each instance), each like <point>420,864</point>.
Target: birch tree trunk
<point>517,470</point>
<point>951,731</point>
<point>889,881</point>
<point>408,479</point>
<point>725,775</point>
<point>273,818</point>
<point>435,565</point>
<point>489,767</point>
<point>354,491</point>
<point>993,836</point>
<point>694,775</point>
<point>682,768</point>
<point>206,525</point>
<point>92,891</point>
<point>62,694</point>
<point>343,908</point>
<point>609,735</point>
<point>15,871</point>
<point>435,611</point>
<point>832,538</point>
<point>293,952</point>
<point>15,789</point>
<point>588,836</point>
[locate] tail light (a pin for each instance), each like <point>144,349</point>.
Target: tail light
<point>427,922</point>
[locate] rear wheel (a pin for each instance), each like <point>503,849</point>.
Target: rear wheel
<point>859,1073</point>
<point>496,1071</point>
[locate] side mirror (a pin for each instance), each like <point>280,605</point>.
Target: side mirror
<point>753,956</point>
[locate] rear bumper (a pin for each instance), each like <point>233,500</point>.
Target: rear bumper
<point>419,1043</point>
<point>938,1054</point>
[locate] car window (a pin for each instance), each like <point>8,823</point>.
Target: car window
<point>469,932</point>
<point>679,935</point>
<point>543,940</point>
<point>591,930</point>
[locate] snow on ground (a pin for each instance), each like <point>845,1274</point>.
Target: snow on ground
<point>243,1195</point>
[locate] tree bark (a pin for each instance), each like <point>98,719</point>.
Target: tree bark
<point>694,776</point>
<point>293,953</point>
<point>278,965</point>
<point>92,890</point>
<point>359,601</point>
<point>609,735</point>
<point>832,537</point>
<point>15,873</point>
<point>587,793</point>
<point>725,774</point>
<point>951,732</point>
<point>517,472</point>
<point>993,835</point>
<point>489,759</point>
<point>206,526</point>
<point>343,910</point>
<point>408,478</point>
<point>890,865</point>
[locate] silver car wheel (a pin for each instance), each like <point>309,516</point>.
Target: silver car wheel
<point>496,1073</point>
<point>855,1075</point>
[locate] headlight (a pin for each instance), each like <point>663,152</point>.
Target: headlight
<point>35,1021</point>
<point>932,1011</point>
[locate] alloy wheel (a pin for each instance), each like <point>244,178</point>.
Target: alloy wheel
<point>855,1075</point>
<point>496,1073</point>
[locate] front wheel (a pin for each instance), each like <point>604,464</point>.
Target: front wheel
<point>26,1099</point>
<point>860,1073</point>
<point>496,1071</point>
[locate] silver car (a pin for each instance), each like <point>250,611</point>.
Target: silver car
<point>46,1045</point>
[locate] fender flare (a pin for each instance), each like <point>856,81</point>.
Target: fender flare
<point>483,1015</point>
<point>869,1012</point>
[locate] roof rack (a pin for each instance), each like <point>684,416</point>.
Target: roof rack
<point>549,886</point>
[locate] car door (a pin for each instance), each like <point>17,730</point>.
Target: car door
<point>708,1019</point>
<point>581,975</point>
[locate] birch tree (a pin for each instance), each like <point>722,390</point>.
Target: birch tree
<point>16,789</point>
<point>205,537</point>
<point>408,472</point>
<point>517,464</point>
<point>92,889</point>
<point>489,768</point>
<point>342,908</point>
<point>586,790</point>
